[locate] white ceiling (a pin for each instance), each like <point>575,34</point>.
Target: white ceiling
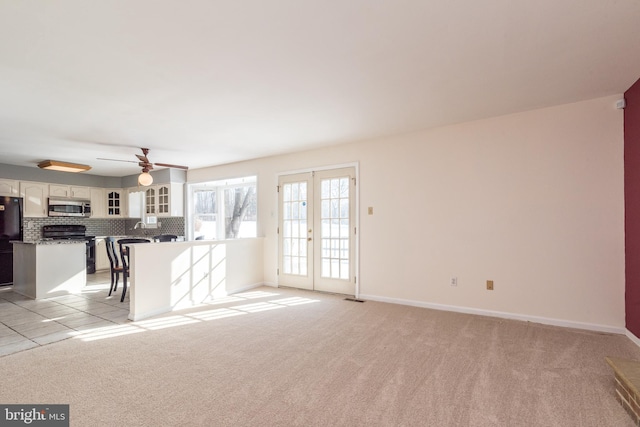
<point>206,82</point>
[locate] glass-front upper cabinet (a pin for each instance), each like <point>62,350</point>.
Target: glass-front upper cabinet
<point>115,203</point>
<point>164,200</point>
<point>150,200</point>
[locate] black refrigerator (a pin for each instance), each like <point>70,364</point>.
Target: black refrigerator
<point>10,229</point>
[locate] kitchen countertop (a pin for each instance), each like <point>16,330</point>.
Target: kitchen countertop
<point>48,242</point>
<point>150,238</point>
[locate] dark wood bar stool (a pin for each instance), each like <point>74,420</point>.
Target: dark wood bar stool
<point>124,256</point>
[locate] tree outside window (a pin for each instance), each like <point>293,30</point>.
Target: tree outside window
<point>224,209</point>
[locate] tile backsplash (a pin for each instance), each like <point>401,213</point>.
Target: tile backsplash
<point>103,227</point>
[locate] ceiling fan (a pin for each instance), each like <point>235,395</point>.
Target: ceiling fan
<point>143,161</point>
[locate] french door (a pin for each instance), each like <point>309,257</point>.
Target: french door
<point>317,230</point>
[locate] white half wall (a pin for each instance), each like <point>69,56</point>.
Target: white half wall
<point>174,275</point>
<point>533,201</point>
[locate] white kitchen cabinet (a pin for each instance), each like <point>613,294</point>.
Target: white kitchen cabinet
<point>9,187</point>
<point>102,260</point>
<point>98,209</point>
<point>176,207</point>
<point>81,193</point>
<point>107,203</point>
<point>151,200</point>
<point>135,202</point>
<point>35,195</point>
<point>68,191</point>
<point>115,203</point>
<point>59,191</point>
<point>164,200</point>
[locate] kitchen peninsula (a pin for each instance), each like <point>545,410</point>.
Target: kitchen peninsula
<point>176,275</point>
<point>48,268</point>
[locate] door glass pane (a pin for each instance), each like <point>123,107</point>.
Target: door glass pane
<point>344,269</point>
<point>335,228</point>
<point>326,248</point>
<point>326,228</point>
<point>326,209</point>
<point>294,237</point>
<point>325,190</point>
<point>335,188</point>
<point>286,264</point>
<point>326,267</point>
<point>344,228</point>
<point>286,210</point>
<point>344,188</point>
<point>335,268</point>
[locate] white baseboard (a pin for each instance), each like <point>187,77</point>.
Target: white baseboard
<point>632,337</point>
<point>246,288</point>
<point>141,316</point>
<point>500,314</point>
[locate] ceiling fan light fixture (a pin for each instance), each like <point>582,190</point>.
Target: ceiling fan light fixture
<point>55,165</point>
<point>145,179</point>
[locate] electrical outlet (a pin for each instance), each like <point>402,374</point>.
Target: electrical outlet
<point>370,210</point>
<point>489,285</point>
<point>453,281</point>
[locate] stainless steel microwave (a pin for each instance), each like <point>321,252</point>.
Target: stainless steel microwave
<point>69,207</point>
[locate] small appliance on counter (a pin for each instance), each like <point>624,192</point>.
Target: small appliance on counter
<point>10,229</point>
<point>73,232</point>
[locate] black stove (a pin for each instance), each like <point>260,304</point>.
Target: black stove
<point>73,232</point>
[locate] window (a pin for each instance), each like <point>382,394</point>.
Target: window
<point>225,209</point>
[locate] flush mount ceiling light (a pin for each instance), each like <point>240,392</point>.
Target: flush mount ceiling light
<point>55,165</point>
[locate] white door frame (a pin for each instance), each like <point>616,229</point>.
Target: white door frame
<point>356,260</point>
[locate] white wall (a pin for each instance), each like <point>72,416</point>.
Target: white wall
<point>173,275</point>
<point>533,201</point>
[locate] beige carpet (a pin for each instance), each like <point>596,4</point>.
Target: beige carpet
<point>288,357</point>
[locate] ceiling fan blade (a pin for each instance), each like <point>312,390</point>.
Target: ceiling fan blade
<point>144,162</point>
<point>116,160</point>
<point>166,165</point>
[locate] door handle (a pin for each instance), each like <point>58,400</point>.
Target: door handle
<point>309,239</point>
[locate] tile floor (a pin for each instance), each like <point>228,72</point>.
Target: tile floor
<point>26,323</point>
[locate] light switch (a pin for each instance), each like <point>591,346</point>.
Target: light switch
<point>370,210</point>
